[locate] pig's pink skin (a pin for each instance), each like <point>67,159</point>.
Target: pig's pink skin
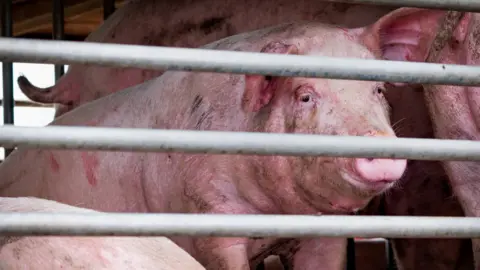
<point>424,190</point>
<point>455,114</point>
<point>190,23</point>
<point>119,253</point>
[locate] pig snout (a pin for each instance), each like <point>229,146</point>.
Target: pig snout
<point>376,173</point>
<point>379,170</point>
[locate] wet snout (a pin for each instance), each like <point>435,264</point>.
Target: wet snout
<point>380,170</point>
<point>377,172</point>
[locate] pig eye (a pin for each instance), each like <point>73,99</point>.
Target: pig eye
<point>380,90</point>
<point>305,98</point>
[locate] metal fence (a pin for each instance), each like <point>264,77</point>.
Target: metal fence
<point>14,50</point>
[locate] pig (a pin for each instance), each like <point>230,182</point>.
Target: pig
<point>195,23</point>
<point>455,115</point>
<point>191,23</point>
<point>81,252</point>
<point>422,180</point>
<point>238,184</point>
<point>174,25</point>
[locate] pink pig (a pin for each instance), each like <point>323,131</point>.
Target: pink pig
<point>119,253</point>
<point>183,24</point>
<point>455,114</point>
<point>161,182</point>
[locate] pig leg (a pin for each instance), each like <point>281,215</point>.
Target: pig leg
<point>320,254</point>
<point>223,253</point>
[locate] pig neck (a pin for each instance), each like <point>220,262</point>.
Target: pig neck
<point>267,182</point>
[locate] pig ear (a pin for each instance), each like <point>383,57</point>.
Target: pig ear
<point>404,34</point>
<point>259,89</point>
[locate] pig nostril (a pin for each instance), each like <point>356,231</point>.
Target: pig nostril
<point>370,159</point>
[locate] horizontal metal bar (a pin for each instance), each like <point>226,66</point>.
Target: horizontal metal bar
<point>245,143</point>
<point>188,59</point>
<point>27,103</point>
<point>460,5</point>
<point>236,225</point>
<point>371,240</point>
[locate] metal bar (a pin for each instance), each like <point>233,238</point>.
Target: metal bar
<point>243,143</point>
<point>371,240</point>
<point>108,8</point>
<point>27,103</point>
<point>58,31</point>
<point>391,263</point>
<point>460,5</point>
<point>188,59</point>
<point>7,69</point>
<point>351,260</point>
<point>121,224</point>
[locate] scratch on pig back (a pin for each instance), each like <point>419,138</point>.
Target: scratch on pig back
<point>54,163</point>
<point>90,164</point>
<point>201,110</point>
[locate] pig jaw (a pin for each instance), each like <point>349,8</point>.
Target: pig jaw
<point>335,185</point>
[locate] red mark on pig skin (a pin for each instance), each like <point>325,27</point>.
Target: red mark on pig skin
<point>54,163</point>
<point>90,164</point>
<point>346,33</point>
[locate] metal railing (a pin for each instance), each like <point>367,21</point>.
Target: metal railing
<point>244,143</point>
<point>190,59</point>
<point>136,224</point>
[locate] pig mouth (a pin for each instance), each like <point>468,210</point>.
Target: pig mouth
<point>364,185</point>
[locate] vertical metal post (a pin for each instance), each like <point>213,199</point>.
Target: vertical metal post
<point>108,8</point>
<point>351,261</point>
<point>391,265</point>
<point>58,31</point>
<point>7,67</point>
